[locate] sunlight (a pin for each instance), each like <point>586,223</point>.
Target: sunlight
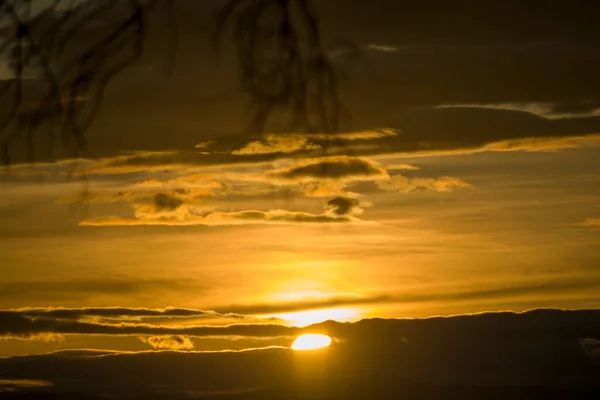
<point>304,318</point>
<point>311,341</point>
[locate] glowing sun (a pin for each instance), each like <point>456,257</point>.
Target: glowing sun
<point>311,341</point>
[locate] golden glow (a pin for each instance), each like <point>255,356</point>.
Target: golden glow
<point>304,318</point>
<point>297,295</point>
<point>311,341</point>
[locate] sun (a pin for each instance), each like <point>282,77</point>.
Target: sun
<point>311,341</point>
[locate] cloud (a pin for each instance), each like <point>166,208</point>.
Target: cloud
<point>404,184</point>
<point>340,168</point>
<point>218,218</point>
<point>227,151</point>
<point>304,305</point>
<point>146,161</point>
<point>352,136</point>
<point>164,202</point>
<point>277,144</point>
<point>22,383</point>
<point>326,188</point>
<point>291,143</point>
<point>500,355</point>
<point>145,221</point>
<point>591,347</point>
<point>421,131</point>
<point>165,206</point>
<point>543,144</point>
<point>86,289</point>
<point>591,222</point>
<point>401,167</point>
<point>15,324</point>
<point>546,110</point>
<point>274,216</point>
<point>168,206</point>
<point>120,313</point>
<point>345,206</point>
<point>157,198</point>
<point>180,207</point>
<point>465,130</point>
<point>174,342</point>
<point>382,48</point>
<point>39,337</point>
<point>465,293</point>
<point>191,181</point>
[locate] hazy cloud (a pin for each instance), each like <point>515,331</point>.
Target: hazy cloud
<point>591,222</point>
<point>404,184</point>
<point>163,200</point>
<point>382,48</point>
<point>401,167</point>
<point>13,384</point>
<point>120,313</point>
<point>325,188</point>
<point>84,289</point>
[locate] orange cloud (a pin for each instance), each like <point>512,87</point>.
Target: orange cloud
<point>169,342</point>
<point>226,218</point>
<point>404,184</point>
<point>591,222</point>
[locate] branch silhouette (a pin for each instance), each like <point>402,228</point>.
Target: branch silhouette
<point>284,67</point>
<point>283,64</point>
<point>72,73</point>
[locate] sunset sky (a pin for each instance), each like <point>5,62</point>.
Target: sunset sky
<point>465,179</point>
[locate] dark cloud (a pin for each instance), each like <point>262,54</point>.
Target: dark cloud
<point>277,216</point>
<point>164,202</point>
<point>16,324</point>
<point>27,323</point>
<point>481,129</point>
<point>421,130</point>
<point>344,205</point>
<point>457,55</point>
<point>334,168</point>
<point>493,355</point>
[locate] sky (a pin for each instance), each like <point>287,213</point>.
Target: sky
<point>464,179</point>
